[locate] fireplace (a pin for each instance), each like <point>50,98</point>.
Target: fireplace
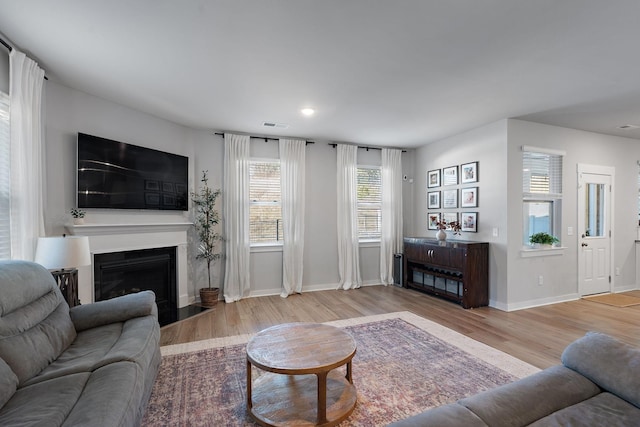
<point>125,272</point>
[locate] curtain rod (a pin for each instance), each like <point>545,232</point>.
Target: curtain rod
<point>334,145</point>
<point>265,138</point>
<point>10,48</point>
<point>5,44</point>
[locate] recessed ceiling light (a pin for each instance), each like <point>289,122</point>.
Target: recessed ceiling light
<point>308,111</point>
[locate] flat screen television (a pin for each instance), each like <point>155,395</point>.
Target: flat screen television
<point>116,175</point>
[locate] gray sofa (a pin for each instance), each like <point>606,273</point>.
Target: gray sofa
<point>93,365</point>
<point>598,384</point>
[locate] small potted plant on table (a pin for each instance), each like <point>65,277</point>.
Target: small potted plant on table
<point>206,220</point>
<point>78,215</point>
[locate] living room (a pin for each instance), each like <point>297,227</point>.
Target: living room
<point>519,278</point>
<point>495,145</point>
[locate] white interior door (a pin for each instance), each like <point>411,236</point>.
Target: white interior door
<point>594,227</point>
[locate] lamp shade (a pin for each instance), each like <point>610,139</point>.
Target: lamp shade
<point>63,252</point>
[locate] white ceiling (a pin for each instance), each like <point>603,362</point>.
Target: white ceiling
<point>393,73</point>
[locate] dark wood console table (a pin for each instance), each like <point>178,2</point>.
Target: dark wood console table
<point>456,270</point>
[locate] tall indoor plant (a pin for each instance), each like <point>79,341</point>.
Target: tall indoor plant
<point>206,219</point>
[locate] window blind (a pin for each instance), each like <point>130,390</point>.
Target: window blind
<point>541,174</point>
<point>265,213</point>
<point>369,202</point>
<point>5,178</point>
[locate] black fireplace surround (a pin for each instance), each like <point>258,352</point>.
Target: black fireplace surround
<point>121,273</point>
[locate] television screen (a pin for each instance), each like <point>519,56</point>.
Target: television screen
<point>116,175</point>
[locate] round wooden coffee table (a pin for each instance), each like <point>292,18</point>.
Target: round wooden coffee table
<point>300,386</point>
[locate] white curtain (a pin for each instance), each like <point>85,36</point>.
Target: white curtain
<point>348,246</point>
<point>292,183</point>
<point>391,239</point>
<point>27,212</point>
<point>236,217</point>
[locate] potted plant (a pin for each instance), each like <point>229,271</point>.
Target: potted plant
<point>542,239</point>
<point>77,215</point>
<point>206,220</point>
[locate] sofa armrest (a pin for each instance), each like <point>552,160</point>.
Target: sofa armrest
<point>610,363</point>
<point>119,309</point>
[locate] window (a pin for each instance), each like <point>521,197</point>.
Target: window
<point>265,213</point>
<point>369,202</point>
<point>5,179</point>
<point>541,192</point>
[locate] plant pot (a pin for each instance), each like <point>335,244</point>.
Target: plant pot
<point>441,235</point>
<point>209,297</point>
<point>78,221</point>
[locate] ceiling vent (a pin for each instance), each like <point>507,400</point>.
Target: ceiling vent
<point>275,125</point>
<point>626,127</point>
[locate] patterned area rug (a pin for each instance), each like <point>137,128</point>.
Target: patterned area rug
<point>404,364</point>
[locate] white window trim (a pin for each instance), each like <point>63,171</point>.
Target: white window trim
<point>530,251</point>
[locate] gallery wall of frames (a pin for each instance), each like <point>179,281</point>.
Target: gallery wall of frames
<point>452,195</point>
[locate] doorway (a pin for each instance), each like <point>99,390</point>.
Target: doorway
<point>595,201</point>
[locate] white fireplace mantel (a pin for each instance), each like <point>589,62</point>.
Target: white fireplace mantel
<point>102,229</point>
<point>107,238</point>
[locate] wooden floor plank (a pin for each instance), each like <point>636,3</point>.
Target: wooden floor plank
<point>537,335</point>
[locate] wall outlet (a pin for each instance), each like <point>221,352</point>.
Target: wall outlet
<point>617,271</point>
<point>569,231</point>
<point>540,280</point>
<point>495,231</point>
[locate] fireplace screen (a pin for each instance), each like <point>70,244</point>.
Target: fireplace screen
<point>121,273</point>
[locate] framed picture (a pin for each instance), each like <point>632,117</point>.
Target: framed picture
<point>450,175</point>
<point>469,172</point>
<point>432,220</point>
<point>449,217</point>
<point>469,221</point>
<point>151,185</point>
<point>450,199</point>
<point>469,197</point>
<point>433,200</point>
<point>433,178</point>
<point>167,187</point>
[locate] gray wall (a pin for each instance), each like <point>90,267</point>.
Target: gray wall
<point>4,70</point>
<point>487,146</point>
<point>561,272</point>
<point>69,111</point>
<point>498,149</point>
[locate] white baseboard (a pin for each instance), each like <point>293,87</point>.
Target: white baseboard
<point>533,303</point>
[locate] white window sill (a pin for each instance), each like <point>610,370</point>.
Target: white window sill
<point>266,247</point>
<point>369,243</point>
<point>537,252</point>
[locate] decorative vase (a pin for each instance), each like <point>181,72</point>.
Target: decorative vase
<point>209,297</point>
<point>78,221</point>
<point>441,235</point>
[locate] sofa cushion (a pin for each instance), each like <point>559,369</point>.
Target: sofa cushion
<point>8,383</point>
<point>112,397</point>
<point>531,398</point>
<point>85,354</point>
<point>35,327</point>
<point>44,404</point>
<point>605,409</point>
<point>612,364</point>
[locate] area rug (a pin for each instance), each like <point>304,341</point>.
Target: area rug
<point>404,364</point>
<point>618,300</point>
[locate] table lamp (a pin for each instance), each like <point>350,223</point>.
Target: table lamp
<point>63,255</point>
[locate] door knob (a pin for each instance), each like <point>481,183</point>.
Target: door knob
<point>584,244</point>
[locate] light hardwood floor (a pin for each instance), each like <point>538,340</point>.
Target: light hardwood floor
<point>537,335</point>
